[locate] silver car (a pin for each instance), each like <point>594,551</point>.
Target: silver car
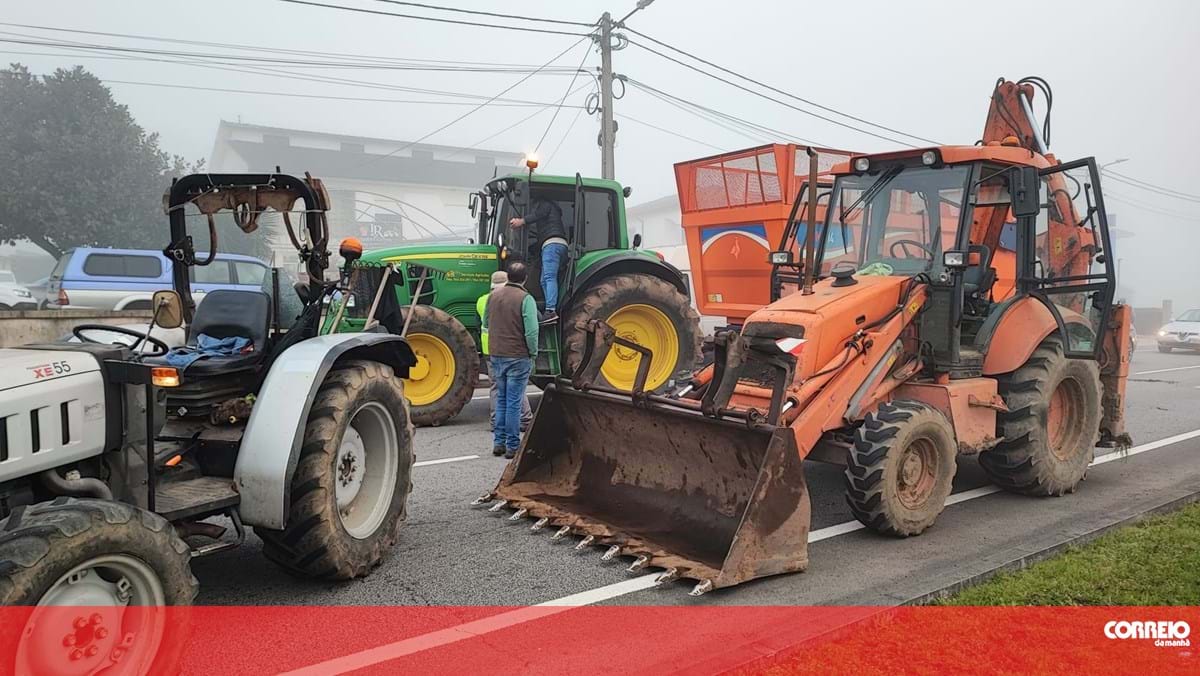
<point>1181,333</point>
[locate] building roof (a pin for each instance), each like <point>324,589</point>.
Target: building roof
<point>666,201</point>
<point>325,154</point>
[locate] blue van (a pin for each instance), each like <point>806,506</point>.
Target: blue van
<point>126,279</point>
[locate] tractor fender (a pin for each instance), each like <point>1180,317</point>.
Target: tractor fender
<point>1012,333</point>
<point>627,262</point>
<point>270,448</point>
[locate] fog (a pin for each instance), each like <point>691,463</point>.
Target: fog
<point>1124,76</point>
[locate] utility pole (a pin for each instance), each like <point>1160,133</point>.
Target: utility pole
<point>608,130</point>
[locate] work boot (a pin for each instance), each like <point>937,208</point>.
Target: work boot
<point>510,454</point>
<point>497,451</point>
<point>549,317</point>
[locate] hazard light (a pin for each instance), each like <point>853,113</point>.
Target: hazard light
<point>165,376</point>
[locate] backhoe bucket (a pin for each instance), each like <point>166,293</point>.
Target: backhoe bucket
<point>716,500</point>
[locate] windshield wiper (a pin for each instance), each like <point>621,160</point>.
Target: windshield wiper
<point>872,191</point>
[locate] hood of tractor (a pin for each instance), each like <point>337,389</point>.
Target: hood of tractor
<point>31,366</point>
<point>829,316</point>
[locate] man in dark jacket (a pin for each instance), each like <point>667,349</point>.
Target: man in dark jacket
<point>511,321</point>
<point>546,217</point>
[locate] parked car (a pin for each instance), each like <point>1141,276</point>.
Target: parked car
<point>1183,332</point>
<point>125,279</point>
<point>13,296</point>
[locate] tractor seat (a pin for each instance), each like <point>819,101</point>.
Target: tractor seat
<point>225,313</point>
<point>978,279</point>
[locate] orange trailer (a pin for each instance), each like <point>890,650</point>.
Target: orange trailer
<point>734,209</point>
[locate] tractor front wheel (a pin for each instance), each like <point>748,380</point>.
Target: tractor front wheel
<point>1050,430</point>
<point>92,581</point>
<point>901,468</point>
<point>353,478</point>
<point>443,379</point>
<point>646,310</point>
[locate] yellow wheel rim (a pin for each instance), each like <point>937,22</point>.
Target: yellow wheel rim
<point>433,375</point>
<point>649,327</point>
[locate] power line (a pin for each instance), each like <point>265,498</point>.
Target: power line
<point>562,101</point>
<point>491,14</point>
<point>1150,187</point>
<point>1151,208</point>
<point>780,91</point>
<point>253,48</point>
<point>764,96</point>
<point>363,10</point>
<point>668,131</point>
<point>565,136</point>
<point>556,106</point>
<point>476,108</point>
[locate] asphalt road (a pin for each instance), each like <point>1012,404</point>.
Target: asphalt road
<point>451,554</point>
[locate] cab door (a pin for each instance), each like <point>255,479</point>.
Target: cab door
<point>1066,256</point>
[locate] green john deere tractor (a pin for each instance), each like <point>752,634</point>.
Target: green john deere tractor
<point>607,277</point>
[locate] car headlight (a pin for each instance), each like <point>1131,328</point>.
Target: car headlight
<point>22,293</point>
<point>1162,332</point>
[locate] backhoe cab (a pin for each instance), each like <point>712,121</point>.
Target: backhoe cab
<point>959,303</point>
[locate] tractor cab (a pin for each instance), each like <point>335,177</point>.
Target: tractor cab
<point>982,226</point>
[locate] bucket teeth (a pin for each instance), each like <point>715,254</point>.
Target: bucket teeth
<point>668,575</point>
<point>498,506</point>
<point>702,587</point>
<point>611,553</point>
<point>519,514</point>
<point>638,564</point>
<point>585,542</point>
<point>482,500</point>
<point>539,524</point>
<point>561,533</point>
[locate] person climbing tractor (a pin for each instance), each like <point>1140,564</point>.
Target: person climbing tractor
<point>499,279</point>
<point>546,217</point>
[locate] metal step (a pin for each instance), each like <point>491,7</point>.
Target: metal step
<point>202,496</point>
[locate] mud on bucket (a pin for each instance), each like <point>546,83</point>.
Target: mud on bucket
<point>713,499</point>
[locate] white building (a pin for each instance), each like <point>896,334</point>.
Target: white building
<point>384,191</point>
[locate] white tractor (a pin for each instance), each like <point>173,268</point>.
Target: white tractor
<point>116,457</point>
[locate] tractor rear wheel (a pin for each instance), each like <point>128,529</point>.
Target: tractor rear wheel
<point>443,380</point>
<point>1052,424</point>
<point>901,468</point>
<point>645,309</point>
<point>101,575</point>
<point>353,478</point>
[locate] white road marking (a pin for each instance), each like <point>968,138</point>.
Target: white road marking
<point>441,461</point>
<point>1177,368</point>
<point>487,625</point>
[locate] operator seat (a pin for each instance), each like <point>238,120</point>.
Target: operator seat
<point>231,312</point>
<point>978,279</point>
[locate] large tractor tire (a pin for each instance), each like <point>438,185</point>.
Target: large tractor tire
<point>351,486</point>
<point>1050,430</point>
<point>447,368</point>
<point>103,576</point>
<point>646,310</point>
<point>901,468</point>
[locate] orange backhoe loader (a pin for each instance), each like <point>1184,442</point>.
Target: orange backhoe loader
<point>895,353</point>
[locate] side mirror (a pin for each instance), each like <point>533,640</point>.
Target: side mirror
<point>780,258</point>
<point>168,309</point>
<point>627,191</point>
<point>473,204</point>
<point>1024,185</point>
<point>637,240</point>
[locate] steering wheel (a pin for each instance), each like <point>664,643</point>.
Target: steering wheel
<point>163,348</point>
<point>904,244</point>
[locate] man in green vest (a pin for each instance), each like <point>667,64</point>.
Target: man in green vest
<point>499,279</point>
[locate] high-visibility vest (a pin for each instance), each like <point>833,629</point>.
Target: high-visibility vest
<point>480,306</point>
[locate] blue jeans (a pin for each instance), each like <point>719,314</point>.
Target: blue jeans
<point>552,258</point>
<point>511,375</point>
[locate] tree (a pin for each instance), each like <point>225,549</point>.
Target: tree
<point>75,168</point>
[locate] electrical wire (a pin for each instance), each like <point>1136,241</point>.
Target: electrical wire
<point>363,10</point>
<point>1150,187</point>
<point>521,121</point>
<point>491,14</point>
<point>477,108</point>
<point>764,96</point>
<point>668,131</point>
<point>777,90</point>
<point>565,136</point>
<point>562,101</point>
<point>1109,195</point>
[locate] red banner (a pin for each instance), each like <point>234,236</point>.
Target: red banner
<point>617,639</point>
